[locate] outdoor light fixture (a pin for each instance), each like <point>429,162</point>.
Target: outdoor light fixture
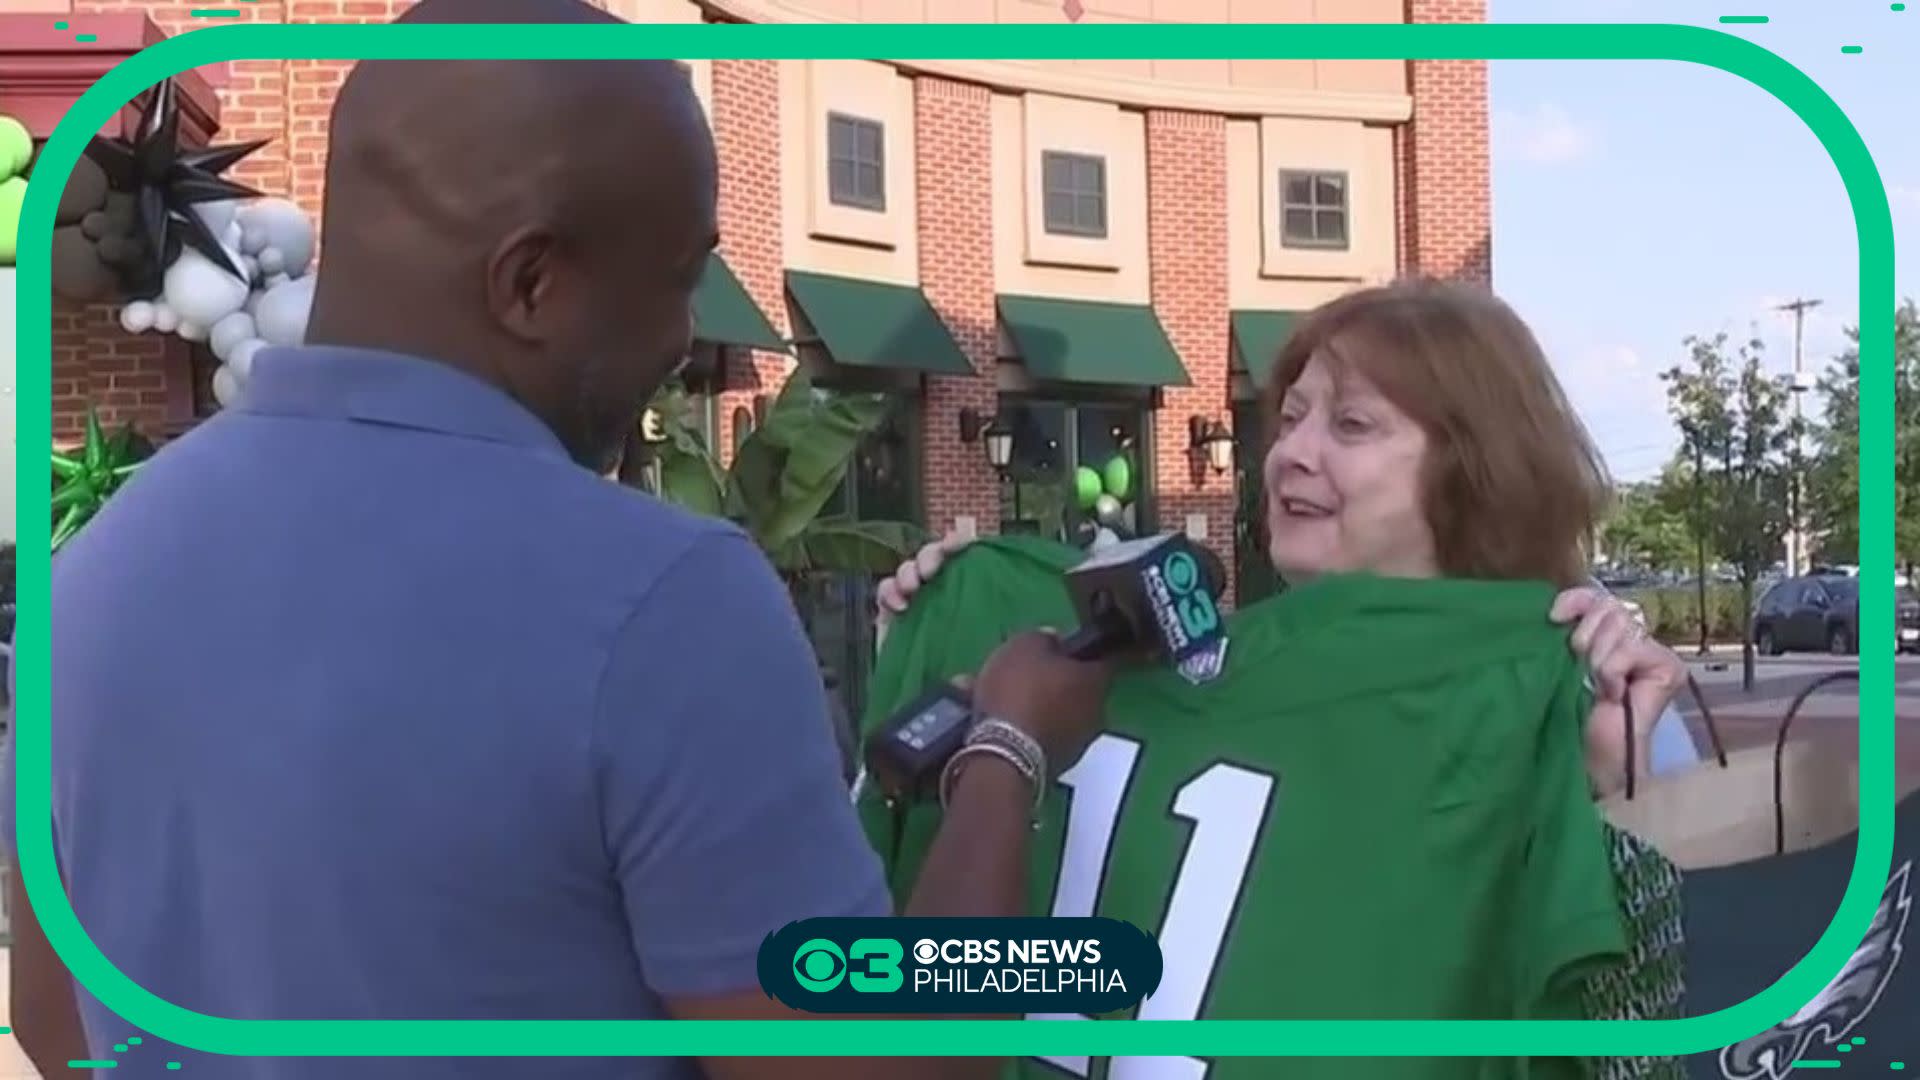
<point>1211,441</point>
<point>972,423</point>
<point>999,447</point>
<point>742,426</point>
<point>976,426</point>
<point>653,427</point>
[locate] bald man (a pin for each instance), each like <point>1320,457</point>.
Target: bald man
<point>372,699</point>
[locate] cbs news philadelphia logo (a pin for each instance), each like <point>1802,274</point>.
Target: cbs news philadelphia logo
<point>905,965</point>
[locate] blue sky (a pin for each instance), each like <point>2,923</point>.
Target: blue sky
<point>1638,202</point>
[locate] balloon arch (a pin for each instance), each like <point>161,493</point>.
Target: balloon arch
<point>159,232</point>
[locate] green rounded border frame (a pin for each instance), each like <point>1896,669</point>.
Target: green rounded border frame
<point>1207,1038</point>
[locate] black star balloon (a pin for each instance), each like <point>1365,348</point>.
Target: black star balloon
<point>166,182</point>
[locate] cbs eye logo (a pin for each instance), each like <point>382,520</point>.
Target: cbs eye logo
<point>869,966</point>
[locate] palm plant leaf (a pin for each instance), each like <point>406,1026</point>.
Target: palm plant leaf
<point>840,545</point>
<point>689,475</point>
<point>790,467</point>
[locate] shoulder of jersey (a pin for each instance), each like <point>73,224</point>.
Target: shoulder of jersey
<point>1354,635</point>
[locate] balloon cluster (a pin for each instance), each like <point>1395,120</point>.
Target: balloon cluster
<point>16,154</point>
<point>1107,494</point>
<point>271,240</point>
<point>157,230</point>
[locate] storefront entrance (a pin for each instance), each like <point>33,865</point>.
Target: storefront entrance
<point>1079,470</point>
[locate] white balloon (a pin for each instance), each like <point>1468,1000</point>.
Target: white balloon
<point>253,238</point>
<point>1105,538</point>
<point>281,317</point>
<point>165,319</point>
<point>273,261</point>
<point>137,317</point>
<point>200,291</point>
<point>229,332</point>
<point>285,226</point>
<point>226,386</point>
<point>251,265</point>
<point>219,215</point>
<point>191,331</point>
<point>241,362</point>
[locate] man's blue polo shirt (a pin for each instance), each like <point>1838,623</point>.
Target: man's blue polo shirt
<point>368,703</point>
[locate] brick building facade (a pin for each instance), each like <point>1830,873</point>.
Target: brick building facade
<point>1193,239</point>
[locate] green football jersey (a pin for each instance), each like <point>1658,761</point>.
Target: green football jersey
<point>1378,810</point>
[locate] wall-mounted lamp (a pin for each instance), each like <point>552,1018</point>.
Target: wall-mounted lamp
<point>742,426</point>
<point>653,427</point>
<point>1211,441</point>
<point>975,426</point>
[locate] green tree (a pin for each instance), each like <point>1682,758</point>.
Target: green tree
<point>1834,473</point>
<point>1697,400</point>
<point>1645,530</point>
<point>1733,425</point>
<point>1833,497</point>
<point>1906,434</point>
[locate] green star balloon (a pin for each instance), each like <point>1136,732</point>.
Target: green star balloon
<point>82,484</point>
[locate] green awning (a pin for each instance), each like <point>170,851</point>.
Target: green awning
<point>1086,342</point>
<point>877,325</point>
<point>1257,338</point>
<point>724,314</point>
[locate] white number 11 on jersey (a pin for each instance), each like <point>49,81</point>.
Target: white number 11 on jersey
<point>1225,804</point>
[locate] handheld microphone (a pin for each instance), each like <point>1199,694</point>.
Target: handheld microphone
<point>1146,600</point>
<point>1150,600</point>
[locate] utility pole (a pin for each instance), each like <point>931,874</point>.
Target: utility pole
<point>1798,561</point>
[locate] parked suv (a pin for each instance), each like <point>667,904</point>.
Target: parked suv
<point>1821,613</point>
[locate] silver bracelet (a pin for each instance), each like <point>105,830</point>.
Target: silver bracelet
<point>1010,744</point>
<point>952,769</point>
<point>995,730</point>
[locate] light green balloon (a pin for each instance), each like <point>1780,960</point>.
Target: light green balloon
<point>1119,476</point>
<point>1086,487</point>
<point>16,147</point>
<point>13,194</point>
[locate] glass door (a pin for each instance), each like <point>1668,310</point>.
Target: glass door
<point>1078,472</point>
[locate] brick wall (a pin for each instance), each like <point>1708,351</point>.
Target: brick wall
<point>1187,244</point>
<point>746,126</point>
<point>953,128</point>
<point>144,380</point>
<point>1443,158</point>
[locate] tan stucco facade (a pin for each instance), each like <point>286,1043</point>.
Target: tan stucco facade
<point>1321,115</point>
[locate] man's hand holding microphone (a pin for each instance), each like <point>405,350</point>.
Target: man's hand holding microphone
<point>1029,690</point>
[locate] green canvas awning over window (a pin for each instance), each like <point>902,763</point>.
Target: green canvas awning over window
<point>875,324</point>
<point>1087,342</point>
<point>1257,337</point>
<point>724,314</point>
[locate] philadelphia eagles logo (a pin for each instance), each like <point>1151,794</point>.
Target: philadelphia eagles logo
<point>1833,1014</point>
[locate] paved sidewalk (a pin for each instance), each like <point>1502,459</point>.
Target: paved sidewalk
<point>1752,718</point>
